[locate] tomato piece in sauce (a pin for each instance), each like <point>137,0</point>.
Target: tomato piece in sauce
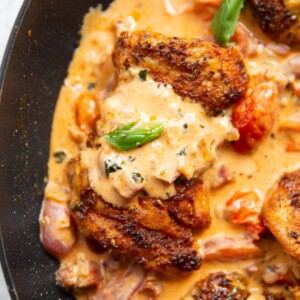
<point>87,111</point>
<point>243,208</point>
<point>254,116</point>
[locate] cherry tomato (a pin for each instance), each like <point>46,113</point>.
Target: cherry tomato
<point>254,116</point>
<point>208,8</point>
<point>243,208</point>
<point>87,111</point>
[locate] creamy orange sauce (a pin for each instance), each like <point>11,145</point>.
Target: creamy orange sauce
<point>157,161</point>
<point>186,147</point>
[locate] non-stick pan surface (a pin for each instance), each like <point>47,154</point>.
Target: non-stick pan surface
<point>34,66</point>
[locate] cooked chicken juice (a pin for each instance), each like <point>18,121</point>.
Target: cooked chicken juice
<point>90,92</point>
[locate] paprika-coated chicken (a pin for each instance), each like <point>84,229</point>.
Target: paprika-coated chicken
<point>280,213</point>
<point>279,19</point>
<point>155,233</point>
<point>203,71</point>
<point>220,286</point>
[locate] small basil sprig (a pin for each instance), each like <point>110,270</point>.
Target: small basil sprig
<point>225,20</point>
<point>111,167</point>
<point>59,156</point>
<point>143,75</point>
<point>134,134</point>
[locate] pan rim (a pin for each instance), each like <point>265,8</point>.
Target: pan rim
<point>3,68</point>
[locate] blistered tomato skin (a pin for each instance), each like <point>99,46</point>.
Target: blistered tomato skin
<point>255,115</point>
<point>243,208</point>
<point>87,111</point>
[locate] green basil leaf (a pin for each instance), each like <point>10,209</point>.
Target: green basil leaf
<point>91,85</point>
<point>134,134</point>
<point>111,167</point>
<point>143,75</point>
<point>225,20</point>
<point>182,152</point>
<point>59,156</point>
<point>137,178</point>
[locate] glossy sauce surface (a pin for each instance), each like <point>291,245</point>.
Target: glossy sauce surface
<point>186,146</point>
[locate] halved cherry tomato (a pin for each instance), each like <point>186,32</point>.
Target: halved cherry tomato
<point>243,208</point>
<point>254,116</point>
<point>87,111</point>
<point>208,8</point>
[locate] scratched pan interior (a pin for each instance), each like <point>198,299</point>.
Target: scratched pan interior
<point>34,66</point>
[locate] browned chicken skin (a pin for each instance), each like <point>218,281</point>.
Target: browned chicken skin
<point>154,233</point>
<point>219,286</point>
<point>280,213</point>
<point>279,19</point>
<point>203,71</point>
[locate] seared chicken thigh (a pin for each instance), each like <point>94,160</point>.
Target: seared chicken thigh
<point>219,286</point>
<point>281,213</point>
<point>155,233</point>
<point>203,71</point>
<point>279,19</point>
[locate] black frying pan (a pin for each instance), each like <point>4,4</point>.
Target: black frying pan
<point>34,66</point>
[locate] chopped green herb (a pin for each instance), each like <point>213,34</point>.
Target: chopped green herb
<point>294,235</point>
<point>137,178</point>
<point>143,75</point>
<point>270,268</point>
<point>131,158</point>
<point>225,20</point>
<point>134,134</point>
<point>99,145</point>
<point>162,172</point>
<point>77,206</point>
<point>182,152</point>
<point>185,128</point>
<point>59,156</point>
<point>91,85</point>
<point>111,167</point>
